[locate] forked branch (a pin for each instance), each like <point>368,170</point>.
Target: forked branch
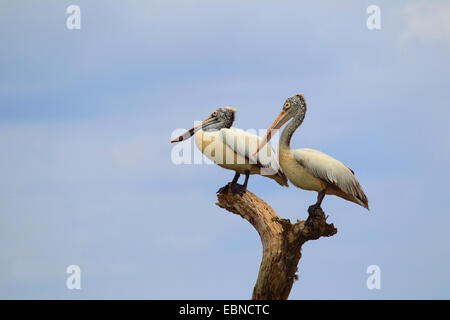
<point>282,241</point>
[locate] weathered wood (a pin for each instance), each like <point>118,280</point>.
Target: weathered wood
<point>282,241</point>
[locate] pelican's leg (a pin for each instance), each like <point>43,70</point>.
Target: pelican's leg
<point>315,206</point>
<point>320,197</point>
<point>225,187</point>
<point>239,188</point>
<point>247,176</point>
<point>236,178</point>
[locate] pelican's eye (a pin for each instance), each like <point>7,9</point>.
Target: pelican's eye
<point>214,114</point>
<point>286,106</point>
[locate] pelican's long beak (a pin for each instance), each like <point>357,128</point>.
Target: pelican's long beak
<point>277,124</point>
<point>193,130</point>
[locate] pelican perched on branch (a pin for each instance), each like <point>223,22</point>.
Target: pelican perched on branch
<point>233,149</point>
<point>311,169</point>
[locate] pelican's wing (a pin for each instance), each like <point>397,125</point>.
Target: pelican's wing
<point>324,167</point>
<point>245,144</point>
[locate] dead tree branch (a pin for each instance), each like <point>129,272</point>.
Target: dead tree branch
<point>282,241</point>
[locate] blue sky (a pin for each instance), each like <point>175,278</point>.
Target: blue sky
<point>86,117</point>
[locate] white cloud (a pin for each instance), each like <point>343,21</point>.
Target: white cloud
<point>427,21</point>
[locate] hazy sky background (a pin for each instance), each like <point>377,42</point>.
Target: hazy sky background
<point>86,116</point>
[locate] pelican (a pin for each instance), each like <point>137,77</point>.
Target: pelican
<point>231,148</point>
<point>310,169</point>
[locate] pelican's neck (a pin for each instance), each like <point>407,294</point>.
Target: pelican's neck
<point>288,131</point>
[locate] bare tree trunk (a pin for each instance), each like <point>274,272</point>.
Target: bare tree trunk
<point>282,241</point>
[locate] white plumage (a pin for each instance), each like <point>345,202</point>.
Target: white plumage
<point>233,149</point>
<point>245,144</point>
<point>330,170</point>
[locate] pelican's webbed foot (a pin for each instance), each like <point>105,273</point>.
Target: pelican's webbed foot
<point>237,188</point>
<point>224,189</point>
<point>312,210</point>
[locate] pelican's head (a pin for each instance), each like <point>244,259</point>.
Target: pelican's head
<point>293,107</point>
<point>219,119</point>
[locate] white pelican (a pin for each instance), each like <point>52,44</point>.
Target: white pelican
<point>310,169</point>
<point>233,149</point>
